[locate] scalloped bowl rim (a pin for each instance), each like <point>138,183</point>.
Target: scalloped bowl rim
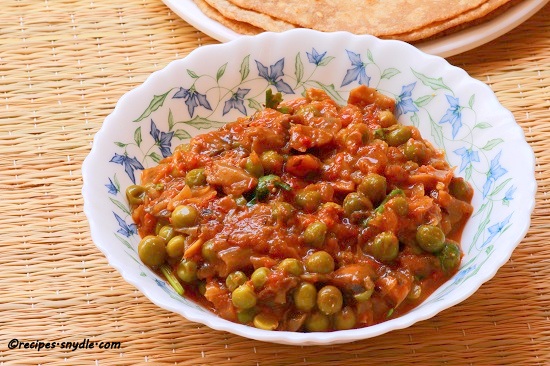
<point>101,239</point>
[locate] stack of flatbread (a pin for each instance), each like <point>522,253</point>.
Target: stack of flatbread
<point>407,20</point>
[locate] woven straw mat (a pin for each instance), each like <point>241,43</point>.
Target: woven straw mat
<point>63,66</point>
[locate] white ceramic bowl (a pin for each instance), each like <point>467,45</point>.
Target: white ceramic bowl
<point>218,83</point>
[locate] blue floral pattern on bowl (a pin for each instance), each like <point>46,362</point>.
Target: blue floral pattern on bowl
<point>449,108</point>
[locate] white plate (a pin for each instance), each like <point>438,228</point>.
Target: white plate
<point>447,46</point>
<point>455,112</point>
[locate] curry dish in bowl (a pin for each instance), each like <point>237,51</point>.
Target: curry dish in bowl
<point>306,216</point>
<point>287,220</point>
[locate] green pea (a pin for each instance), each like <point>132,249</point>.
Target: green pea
<point>356,202</point>
<point>166,232</point>
<point>266,321</point>
<point>386,118</point>
<point>151,250</point>
<point>235,279</point>
<point>272,161</point>
<point>399,205</point>
<point>305,296</point>
<point>134,194</point>
<point>282,211</point>
<point>195,177</point>
<point>317,322</point>
<point>373,187</point>
<point>416,151</point>
<point>159,225</point>
<point>315,234</point>
<point>398,136</point>
<point>208,252</point>
<point>449,257</point>
<point>320,262</point>
<point>244,297</point>
<point>345,319</point>
<point>379,134</point>
<point>284,109</point>
<point>253,165</point>
<point>245,316</point>
<point>430,238</point>
<point>184,216</point>
<point>329,300</point>
<point>415,292</point>
<point>292,266</point>
<point>385,246</point>
<point>187,270</point>
<point>460,189</point>
<point>308,200</point>
<point>259,277</point>
<point>201,286</point>
<point>175,246</point>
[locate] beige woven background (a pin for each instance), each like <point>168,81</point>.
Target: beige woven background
<point>63,66</point>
